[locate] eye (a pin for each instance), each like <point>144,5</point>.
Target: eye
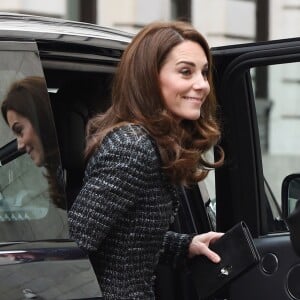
<point>205,73</point>
<point>185,71</point>
<point>18,130</point>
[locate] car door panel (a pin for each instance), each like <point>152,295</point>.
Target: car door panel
<point>274,277</point>
<point>46,270</point>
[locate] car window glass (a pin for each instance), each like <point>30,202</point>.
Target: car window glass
<point>279,127</point>
<point>31,179</point>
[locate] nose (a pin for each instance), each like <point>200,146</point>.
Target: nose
<point>20,143</point>
<point>201,83</point>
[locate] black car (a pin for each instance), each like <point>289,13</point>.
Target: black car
<point>77,61</point>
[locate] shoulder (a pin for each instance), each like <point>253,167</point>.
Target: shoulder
<point>130,136</point>
<point>131,142</point>
<point>129,133</point>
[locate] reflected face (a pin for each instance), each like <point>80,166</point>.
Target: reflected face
<point>183,80</point>
<point>27,138</point>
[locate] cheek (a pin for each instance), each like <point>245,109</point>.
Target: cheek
<point>166,91</point>
<point>207,89</point>
<point>30,136</point>
<point>37,141</point>
<point>169,98</point>
<point>171,89</point>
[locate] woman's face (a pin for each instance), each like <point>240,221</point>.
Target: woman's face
<point>27,138</point>
<point>183,80</point>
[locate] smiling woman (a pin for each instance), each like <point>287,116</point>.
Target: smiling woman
<point>184,82</point>
<point>26,110</point>
<point>27,138</point>
<point>140,153</point>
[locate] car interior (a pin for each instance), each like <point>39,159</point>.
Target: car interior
<point>75,97</point>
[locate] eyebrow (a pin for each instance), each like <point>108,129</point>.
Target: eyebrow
<point>185,62</point>
<point>190,63</point>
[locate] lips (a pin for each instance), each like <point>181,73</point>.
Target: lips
<point>197,99</point>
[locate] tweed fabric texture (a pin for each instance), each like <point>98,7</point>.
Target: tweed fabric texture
<point>122,214</point>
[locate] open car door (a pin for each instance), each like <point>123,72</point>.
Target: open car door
<point>257,87</point>
<point>258,90</point>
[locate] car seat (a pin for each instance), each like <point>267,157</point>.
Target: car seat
<point>73,104</point>
<point>70,115</point>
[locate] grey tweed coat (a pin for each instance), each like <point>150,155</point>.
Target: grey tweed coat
<point>122,214</point>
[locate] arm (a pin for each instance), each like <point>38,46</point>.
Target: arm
<point>177,246</point>
<point>115,172</point>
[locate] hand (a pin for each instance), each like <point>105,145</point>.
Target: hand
<point>199,245</point>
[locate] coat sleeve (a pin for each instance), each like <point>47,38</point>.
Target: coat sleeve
<point>115,172</point>
<point>175,248</point>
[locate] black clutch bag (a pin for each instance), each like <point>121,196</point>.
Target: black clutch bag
<point>238,254</point>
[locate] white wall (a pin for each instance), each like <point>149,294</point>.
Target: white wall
<point>210,19</point>
<point>116,13</point>
<point>154,10</point>
<point>241,18</point>
<point>284,19</point>
<point>48,7</point>
<point>224,22</point>
<point>131,14</point>
<point>284,88</point>
<point>55,7</point>
<point>10,5</point>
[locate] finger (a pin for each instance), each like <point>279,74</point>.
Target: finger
<point>209,237</point>
<point>211,255</point>
<point>216,236</point>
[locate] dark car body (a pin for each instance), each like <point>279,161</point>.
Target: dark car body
<point>78,61</point>
<point>37,258</point>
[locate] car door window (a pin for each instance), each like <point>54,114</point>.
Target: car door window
<point>31,179</point>
<point>279,123</point>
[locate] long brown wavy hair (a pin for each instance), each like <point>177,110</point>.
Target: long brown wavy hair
<point>137,99</point>
<point>29,98</point>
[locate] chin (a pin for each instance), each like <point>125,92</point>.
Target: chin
<point>189,117</point>
<point>38,162</point>
<point>194,117</point>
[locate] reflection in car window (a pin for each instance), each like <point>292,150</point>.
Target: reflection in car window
<point>31,180</point>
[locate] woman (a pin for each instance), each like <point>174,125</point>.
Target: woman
<point>149,143</point>
<point>26,110</point>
